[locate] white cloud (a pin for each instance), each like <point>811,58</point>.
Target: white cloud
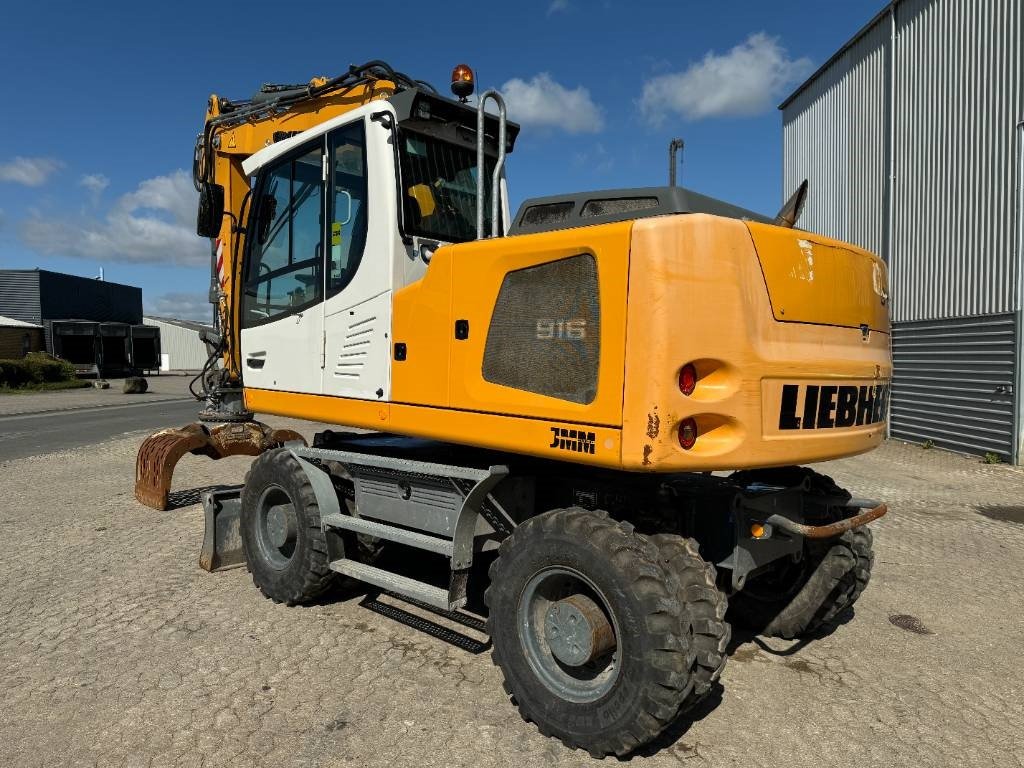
<point>30,171</point>
<point>596,160</point>
<point>94,182</point>
<point>181,305</point>
<point>541,102</point>
<point>748,79</point>
<point>558,6</point>
<point>154,224</point>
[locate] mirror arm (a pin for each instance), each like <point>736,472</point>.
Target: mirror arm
<point>387,119</point>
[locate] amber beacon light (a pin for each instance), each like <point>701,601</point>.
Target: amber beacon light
<point>462,81</point>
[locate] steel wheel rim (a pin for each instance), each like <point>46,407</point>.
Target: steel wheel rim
<point>578,684</point>
<point>274,503</point>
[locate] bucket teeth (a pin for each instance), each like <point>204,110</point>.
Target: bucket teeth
<point>160,452</point>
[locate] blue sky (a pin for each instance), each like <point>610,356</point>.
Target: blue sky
<point>102,102</point>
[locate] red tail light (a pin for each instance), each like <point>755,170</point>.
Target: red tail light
<point>687,379</point>
<point>687,433</point>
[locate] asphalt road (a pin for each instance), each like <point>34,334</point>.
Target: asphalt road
<point>38,433</point>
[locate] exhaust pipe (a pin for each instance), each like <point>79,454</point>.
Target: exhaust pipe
<point>674,146</point>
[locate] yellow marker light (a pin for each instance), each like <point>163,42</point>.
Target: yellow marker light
<point>758,531</point>
<point>462,81</point>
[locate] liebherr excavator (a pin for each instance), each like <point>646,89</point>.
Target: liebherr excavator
<point>608,396</point>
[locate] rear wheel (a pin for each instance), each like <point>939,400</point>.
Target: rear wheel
<point>587,631</point>
<point>285,548</point>
<point>704,606</point>
<point>798,599</point>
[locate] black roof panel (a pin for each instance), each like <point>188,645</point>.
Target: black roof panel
<point>580,209</point>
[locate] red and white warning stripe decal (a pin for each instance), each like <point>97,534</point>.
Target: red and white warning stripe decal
<point>221,275</point>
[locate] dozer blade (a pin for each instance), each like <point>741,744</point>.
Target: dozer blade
<point>222,540</point>
<point>160,452</point>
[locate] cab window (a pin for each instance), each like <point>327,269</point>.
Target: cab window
<point>439,186</point>
<point>283,274</point>
<point>348,205</point>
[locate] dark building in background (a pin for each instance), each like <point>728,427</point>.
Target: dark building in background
<point>87,322</point>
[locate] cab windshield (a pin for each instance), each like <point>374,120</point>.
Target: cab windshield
<point>439,188</point>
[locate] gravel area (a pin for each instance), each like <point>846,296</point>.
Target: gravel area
<point>115,649</point>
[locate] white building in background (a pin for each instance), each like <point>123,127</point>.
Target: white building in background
<point>181,345</point>
<point>912,138</point>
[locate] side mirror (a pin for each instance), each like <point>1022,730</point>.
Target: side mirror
<point>211,209</point>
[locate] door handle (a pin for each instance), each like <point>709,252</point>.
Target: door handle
<point>255,362</point>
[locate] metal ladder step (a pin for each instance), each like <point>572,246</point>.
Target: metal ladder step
<point>390,533</point>
<point>392,582</point>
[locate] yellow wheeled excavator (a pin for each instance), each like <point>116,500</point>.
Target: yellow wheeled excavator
<point>607,396</point>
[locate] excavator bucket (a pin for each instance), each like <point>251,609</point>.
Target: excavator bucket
<point>160,452</point>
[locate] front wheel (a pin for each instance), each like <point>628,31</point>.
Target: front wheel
<point>587,631</point>
<point>285,547</point>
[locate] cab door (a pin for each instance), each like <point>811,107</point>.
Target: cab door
<point>282,300</point>
<point>361,248</point>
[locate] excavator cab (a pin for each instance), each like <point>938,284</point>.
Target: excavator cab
<point>314,230</point>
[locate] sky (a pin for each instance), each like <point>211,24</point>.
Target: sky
<point>102,103</point>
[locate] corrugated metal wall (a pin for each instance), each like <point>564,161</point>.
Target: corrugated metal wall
<point>954,383</point>
<point>185,350</point>
<point>19,295</point>
<point>835,134</point>
<point>959,96</point>
<point>949,91</point>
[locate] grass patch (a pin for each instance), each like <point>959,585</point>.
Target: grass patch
<point>45,386</point>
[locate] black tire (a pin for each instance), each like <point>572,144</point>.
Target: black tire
<point>298,571</point>
<point>788,477</point>
<point>359,546</point>
<point>860,541</point>
<point>650,670</point>
<point>704,606</point>
<point>800,601</point>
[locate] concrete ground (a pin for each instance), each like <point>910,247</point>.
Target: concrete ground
<point>166,386</point>
<point>115,649</point>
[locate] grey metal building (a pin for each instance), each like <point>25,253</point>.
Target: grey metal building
<point>912,138</point>
<point>181,346</point>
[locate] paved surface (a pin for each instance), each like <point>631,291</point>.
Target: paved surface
<point>36,433</point>
<point>164,387</point>
<point>116,650</point>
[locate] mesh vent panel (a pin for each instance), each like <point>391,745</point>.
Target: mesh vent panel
<point>618,205</point>
<point>545,334</point>
<point>552,213</point>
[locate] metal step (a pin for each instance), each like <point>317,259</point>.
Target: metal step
<point>392,582</point>
<point>390,533</point>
